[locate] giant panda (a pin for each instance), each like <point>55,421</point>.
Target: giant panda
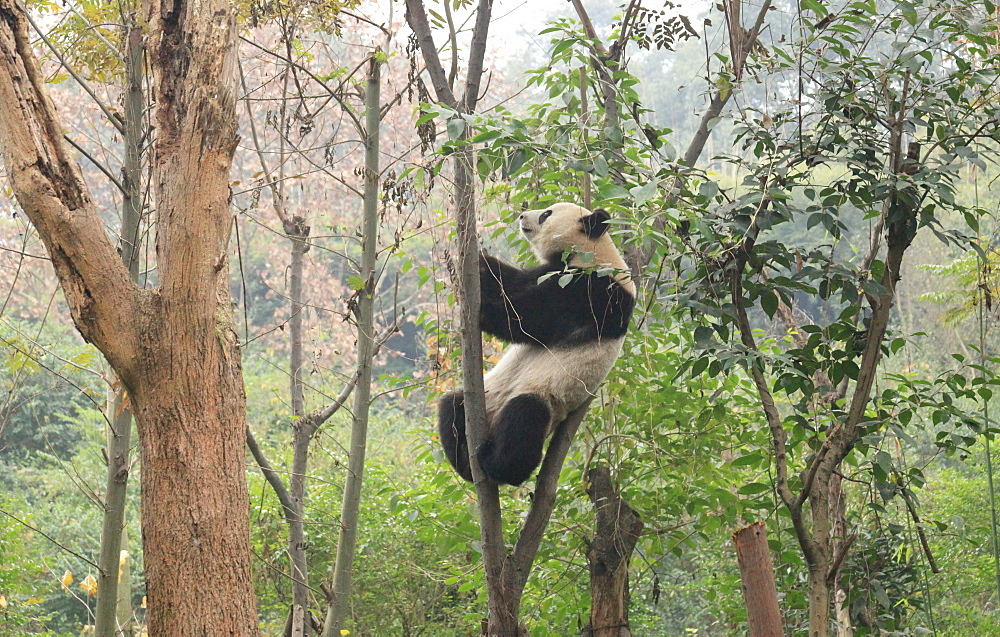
<point>565,333</point>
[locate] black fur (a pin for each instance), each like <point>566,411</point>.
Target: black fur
<point>513,448</point>
<point>451,428</point>
<point>595,224</point>
<point>516,308</point>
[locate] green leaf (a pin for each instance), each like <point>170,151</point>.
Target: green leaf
<point>456,126</point>
<point>612,191</point>
<point>703,336</point>
<point>769,302</point>
<point>754,488</point>
<point>708,189</point>
<point>517,160</point>
<point>642,194</point>
<point>816,7</point>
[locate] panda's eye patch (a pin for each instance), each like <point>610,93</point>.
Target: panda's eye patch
<point>545,215</point>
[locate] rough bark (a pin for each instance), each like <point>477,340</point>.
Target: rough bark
<point>175,348</point>
<point>757,581</point>
<point>615,536</point>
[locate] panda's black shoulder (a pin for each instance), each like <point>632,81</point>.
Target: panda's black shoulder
<point>595,302</point>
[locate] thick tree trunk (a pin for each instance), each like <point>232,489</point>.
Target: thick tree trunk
<point>617,532</point>
<point>174,348</point>
<point>757,581</point>
<point>195,522</point>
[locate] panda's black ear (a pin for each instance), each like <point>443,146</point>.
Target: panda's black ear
<point>595,224</point>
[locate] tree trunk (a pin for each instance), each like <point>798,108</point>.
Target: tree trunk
<point>617,532</point>
<point>195,503</point>
<point>757,579</point>
<point>298,231</point>
<point>841,543</point>
<point>175,348</point>
<point>123,609</point>
<point>819,603</point>
<point>364,312</point>
<point>106,616</point>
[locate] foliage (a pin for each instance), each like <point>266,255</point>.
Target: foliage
<point>36,378</point>
<point>812,175</point>
<point>22,572</point>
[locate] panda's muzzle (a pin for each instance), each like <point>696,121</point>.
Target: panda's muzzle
<point>526,228</point>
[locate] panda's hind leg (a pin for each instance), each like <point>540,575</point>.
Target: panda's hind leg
<point>513,450</point>
<point>451,428</point>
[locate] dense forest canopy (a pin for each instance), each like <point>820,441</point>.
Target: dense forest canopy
<point>248,229</point>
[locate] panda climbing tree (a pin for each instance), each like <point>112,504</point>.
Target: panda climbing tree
<point>565,321</point>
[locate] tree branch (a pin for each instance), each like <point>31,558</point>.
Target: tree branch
<point>416,17</point>
<point>271,476</point>
<point>546,484</point>
<point>196,112</point>
<point>49,187</point>
<point>477,54</point>
<point>722,95</point>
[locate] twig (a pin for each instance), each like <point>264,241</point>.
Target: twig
<point>48,537</point>
<point>99,165</point>
<point>920,530</point>
<point>83,84</point>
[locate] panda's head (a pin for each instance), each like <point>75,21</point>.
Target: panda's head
<point>553,230</point>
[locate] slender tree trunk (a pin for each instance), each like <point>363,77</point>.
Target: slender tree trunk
<point>819,563</point>
<point>297,230</point>
<point>124,607</point>
<point>120,432</point>
<point>616,534</point>
<point>364,313</point>
<point>302,435</point>
<point>757,578</point>
<point>819,603</point>
<point>506,572</point>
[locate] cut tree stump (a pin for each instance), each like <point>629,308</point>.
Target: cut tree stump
<point>757,581</point>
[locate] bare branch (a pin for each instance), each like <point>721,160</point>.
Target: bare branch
<point>271,476</point>
<point>416,17</point>
<point>93,160</point>
<point>477,54</point>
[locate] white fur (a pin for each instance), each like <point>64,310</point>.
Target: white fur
<point>561,230</point>
<point>565,377</point>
